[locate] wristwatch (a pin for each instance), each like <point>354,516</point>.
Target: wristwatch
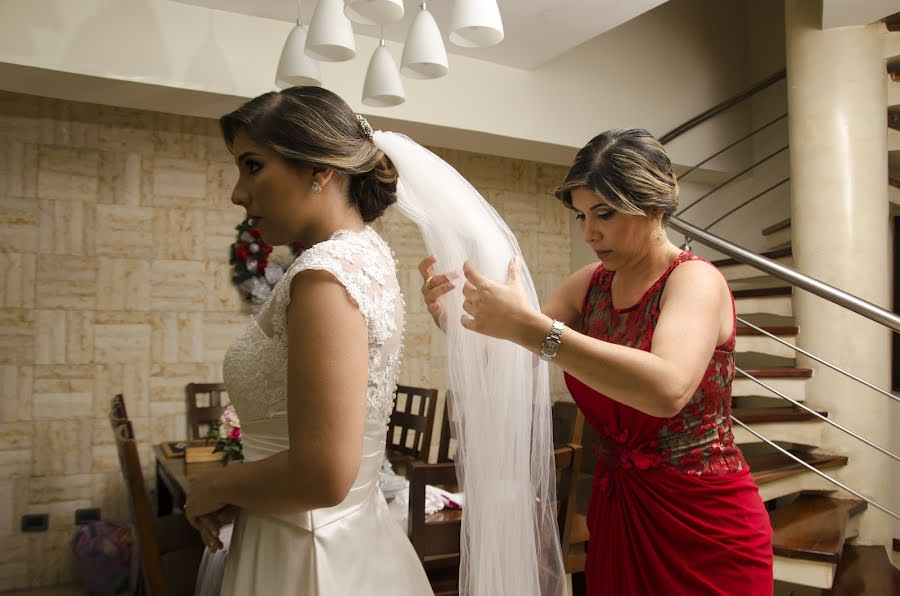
<point>551,344</point>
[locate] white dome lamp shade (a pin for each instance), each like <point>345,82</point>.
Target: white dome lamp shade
<point>330,36</point>
<point>374,12</point>
<point>295,68</point>
<point>424,55</point>
<point>383,87</point>
<point>476,24</point>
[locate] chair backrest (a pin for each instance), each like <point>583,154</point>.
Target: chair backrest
<point>117,411</point>
<point>448,430</point>
<point>569,427</point>
<point>568,468</point>
<point>204,414</point>
<point>568,423</point>
<point>151,568</point>
<point>411,423</point>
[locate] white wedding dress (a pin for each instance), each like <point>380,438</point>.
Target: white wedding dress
<point>354,548</point>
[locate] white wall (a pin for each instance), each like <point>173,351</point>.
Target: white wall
<point>847,13</point>
<point>750,49</point>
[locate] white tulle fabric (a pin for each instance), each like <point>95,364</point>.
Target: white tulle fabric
<point>510,542</point>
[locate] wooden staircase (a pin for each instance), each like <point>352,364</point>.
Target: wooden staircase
<point>809,537</point>
<point>810,526</point>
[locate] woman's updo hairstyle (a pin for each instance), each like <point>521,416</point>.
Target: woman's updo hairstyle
<point>311,126</point>
<point>628,169</point>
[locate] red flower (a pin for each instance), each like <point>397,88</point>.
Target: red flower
<point>676,426</point>
<point>235,434</point>
<point>261,265</point>
<point>241,251</point>
<point>691,459</point>
<point>265,249</point>
<point>255,233</point>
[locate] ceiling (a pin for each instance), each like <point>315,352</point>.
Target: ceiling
<point>536,31</point>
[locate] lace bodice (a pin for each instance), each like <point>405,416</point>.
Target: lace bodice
<point>255,366</point>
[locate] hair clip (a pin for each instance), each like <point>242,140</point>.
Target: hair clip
<point>364,125</point>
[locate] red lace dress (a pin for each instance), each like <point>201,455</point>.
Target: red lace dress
<point>674,509</point>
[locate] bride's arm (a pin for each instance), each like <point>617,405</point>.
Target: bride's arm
<point>327,381</point>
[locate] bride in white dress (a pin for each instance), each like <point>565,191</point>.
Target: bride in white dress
<point>312,376</point>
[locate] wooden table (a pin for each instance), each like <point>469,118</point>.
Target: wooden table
<point>173,478</point>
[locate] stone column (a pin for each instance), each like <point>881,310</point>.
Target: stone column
<point>837,100</point>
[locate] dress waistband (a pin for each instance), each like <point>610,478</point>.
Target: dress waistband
<point>266,438</point>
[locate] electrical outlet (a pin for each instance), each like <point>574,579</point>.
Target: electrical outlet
<point>83,516</point>
<point>35,522</point>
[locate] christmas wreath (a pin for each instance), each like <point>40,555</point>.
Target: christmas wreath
<point>256,268</point>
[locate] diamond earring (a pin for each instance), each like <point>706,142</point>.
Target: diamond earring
<point>316,187</point>
<point>658,236</point>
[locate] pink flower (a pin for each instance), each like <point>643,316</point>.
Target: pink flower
<point>230,417</point>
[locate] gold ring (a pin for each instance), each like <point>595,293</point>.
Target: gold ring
<point>428,282</point>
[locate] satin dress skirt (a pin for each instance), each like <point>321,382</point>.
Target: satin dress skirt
<point>355,548</point>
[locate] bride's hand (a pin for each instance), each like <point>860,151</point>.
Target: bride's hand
<point>210,525</point>
<point>494,309</point>
<point>433,287</point>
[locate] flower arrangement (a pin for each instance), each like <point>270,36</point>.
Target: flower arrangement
<point>255,271</point>
<point>227,436</point>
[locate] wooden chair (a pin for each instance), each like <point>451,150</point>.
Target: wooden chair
<point>117,411</point>
<point>448,431</point>
<point>167,550</point>
<point>568,471</point>
<point>410,426</point>
<point>206,415</point>
<point>568,426</point>
<point>436,537</point>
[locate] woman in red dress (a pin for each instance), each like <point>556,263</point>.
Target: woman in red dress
<point>646,338</point>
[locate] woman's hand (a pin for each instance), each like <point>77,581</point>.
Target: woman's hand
<point>433,287</point>
<point>210,525</point>
<point>497,310</point>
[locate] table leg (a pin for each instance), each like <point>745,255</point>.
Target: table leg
<point>163,494</point>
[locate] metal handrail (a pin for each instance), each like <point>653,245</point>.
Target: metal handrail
<point>730,180</point>
<point>683,175</point>
<point>840,427</point>
<point>820,473</point>
<point>792,276</point>
<point>722,106</point>
<point>747,202</point>
<point>821,360</point>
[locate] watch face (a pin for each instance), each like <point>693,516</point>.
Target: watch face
<point>550,349</point>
